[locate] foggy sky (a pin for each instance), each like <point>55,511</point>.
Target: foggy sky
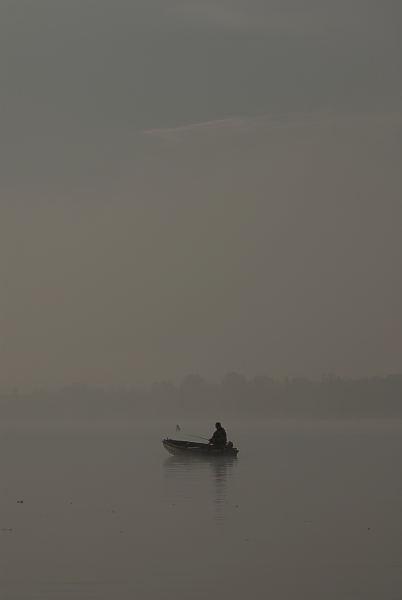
<point>199,187</point>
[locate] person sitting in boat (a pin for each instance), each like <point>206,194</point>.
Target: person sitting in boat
<point>219,439</point>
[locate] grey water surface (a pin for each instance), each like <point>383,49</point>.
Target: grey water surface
<point>308,511</point>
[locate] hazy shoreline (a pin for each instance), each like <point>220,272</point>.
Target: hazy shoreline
<point>235,398</point>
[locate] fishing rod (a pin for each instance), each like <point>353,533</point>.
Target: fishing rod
<point>197,436</point>
<point>191,435</point>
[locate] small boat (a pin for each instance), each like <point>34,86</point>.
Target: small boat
<point>197,448</point>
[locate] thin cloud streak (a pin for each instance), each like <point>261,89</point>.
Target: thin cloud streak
<point>232,125</point>
<point>239,125</point>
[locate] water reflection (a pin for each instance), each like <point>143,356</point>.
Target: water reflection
<point>201,479</point>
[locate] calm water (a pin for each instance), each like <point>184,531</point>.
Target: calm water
<point>307,511</point>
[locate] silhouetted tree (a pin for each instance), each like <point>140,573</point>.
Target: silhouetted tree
<point>234,388</point>
<point>164,390</point>
<point>262,387</point>
<point>193,387</point>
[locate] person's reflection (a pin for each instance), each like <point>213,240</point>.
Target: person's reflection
<point>187,475</point>
<point>221,468</point>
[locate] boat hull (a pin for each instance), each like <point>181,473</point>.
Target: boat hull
<point>178,447</point>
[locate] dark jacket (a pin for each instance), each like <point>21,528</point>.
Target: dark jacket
<point>219,438</point>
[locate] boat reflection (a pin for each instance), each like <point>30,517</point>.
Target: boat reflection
<point>201,479</point>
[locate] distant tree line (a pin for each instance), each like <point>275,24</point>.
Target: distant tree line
<point>235,396</point>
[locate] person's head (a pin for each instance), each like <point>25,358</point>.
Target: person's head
<point>218,425</point>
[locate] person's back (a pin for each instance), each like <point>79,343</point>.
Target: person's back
<point>219,439</point>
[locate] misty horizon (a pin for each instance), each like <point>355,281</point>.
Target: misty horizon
<point>235,397</point>
<point>199,379</point>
